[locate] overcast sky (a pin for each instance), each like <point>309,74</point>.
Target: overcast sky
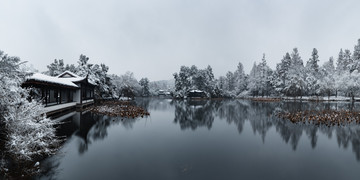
<point>153,38</point>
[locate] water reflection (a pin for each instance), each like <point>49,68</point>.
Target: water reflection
<point>154,103</point>
<point>89,127</point>
<point>173,145</point>
<point>261,116</point>
<point>194,113</point>
<point>84,127</point>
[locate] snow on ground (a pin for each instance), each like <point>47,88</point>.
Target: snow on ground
<point>321,98</point>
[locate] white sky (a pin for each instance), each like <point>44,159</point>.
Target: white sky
<point>153,38</point>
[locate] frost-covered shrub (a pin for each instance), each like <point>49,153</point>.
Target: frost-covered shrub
<point>29,133</point>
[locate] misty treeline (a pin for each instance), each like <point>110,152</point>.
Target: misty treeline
<point>292,77</point>
<point>108,85</point>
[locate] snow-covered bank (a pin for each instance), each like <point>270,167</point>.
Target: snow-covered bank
<point>321,98</point>
<point>324,117</point>
<point>299,98</point>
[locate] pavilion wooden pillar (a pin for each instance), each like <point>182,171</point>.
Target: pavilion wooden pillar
<point>46,96</point>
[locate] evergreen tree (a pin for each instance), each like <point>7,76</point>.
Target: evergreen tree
<point>327,81</point>
<point>281,74</point>
<point>340,65</point>
<point>295,83</point>
<point>230,81</point>
<point>240,79</point>
<point>56,68</point>
<point>254,80</point>
<point>313,74</point>
<point>348,61</point>
<point>264,77</point>
<point>312,64</point>
<point>144,83</point>
<point>356,57</point>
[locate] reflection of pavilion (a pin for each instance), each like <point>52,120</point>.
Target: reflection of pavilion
<point>85,125</point>
<point>88,127</point>
<point>193,114</point>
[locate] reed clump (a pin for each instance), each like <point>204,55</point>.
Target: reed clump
<point>323,117</point>
<point>119,108</point>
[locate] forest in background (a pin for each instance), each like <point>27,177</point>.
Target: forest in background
<point>292,77</point>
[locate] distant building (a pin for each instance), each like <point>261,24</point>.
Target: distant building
<point>64,91</point>
<point>163,93</point>
<point>196,94</point>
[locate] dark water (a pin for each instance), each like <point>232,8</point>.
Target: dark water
<point>230,139</point>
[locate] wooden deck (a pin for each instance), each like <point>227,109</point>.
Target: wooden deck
<point>51,110</point>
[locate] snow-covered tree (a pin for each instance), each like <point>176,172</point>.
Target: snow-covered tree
<point>240,79</point>
<point>348,61</point>
<point>144,83</point>
<point>210,80</point>
<point>125,85</point>
<point>95,72</point>
<point>193,78</point>
<point>230,81</point>
<point>254,80</point>
<point>340,64</point>
<point>265,87</point>
<point>356,57</point>
<point>313,74</point>
<point>280,76</point>
<point>84,68</point>
<point>183,81</point>
<point>327,81</point>
<point>295,81</point>
<point>29,133</point>
<point>56,68</point>
<point>350,83</point>
<point>70,67</point>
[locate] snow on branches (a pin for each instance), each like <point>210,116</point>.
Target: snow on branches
<point>29,133</point>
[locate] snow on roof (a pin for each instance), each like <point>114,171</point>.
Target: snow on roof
<point>196,91</point>
<point>68,72</point>
<point>51,79</point>
<point>74,78</point>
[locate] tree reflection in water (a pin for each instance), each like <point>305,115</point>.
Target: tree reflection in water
<point>87,127</point>
<point>192,114</point>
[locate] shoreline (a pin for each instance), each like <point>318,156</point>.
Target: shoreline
<point>305,98</point>
<point>277,99</point>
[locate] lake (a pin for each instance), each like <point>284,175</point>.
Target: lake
<point>205,139</point>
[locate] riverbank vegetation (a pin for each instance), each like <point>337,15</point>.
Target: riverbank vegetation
<point>324,117</point>
<point>291,78</point>
<point>26,134</point>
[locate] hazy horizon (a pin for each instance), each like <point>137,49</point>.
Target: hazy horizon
<point>154,38</point>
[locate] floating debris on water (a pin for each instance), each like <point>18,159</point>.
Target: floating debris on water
<point>119,108</point>
<point>324,117</point>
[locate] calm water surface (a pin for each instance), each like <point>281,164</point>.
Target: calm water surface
<point>229,139</point>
